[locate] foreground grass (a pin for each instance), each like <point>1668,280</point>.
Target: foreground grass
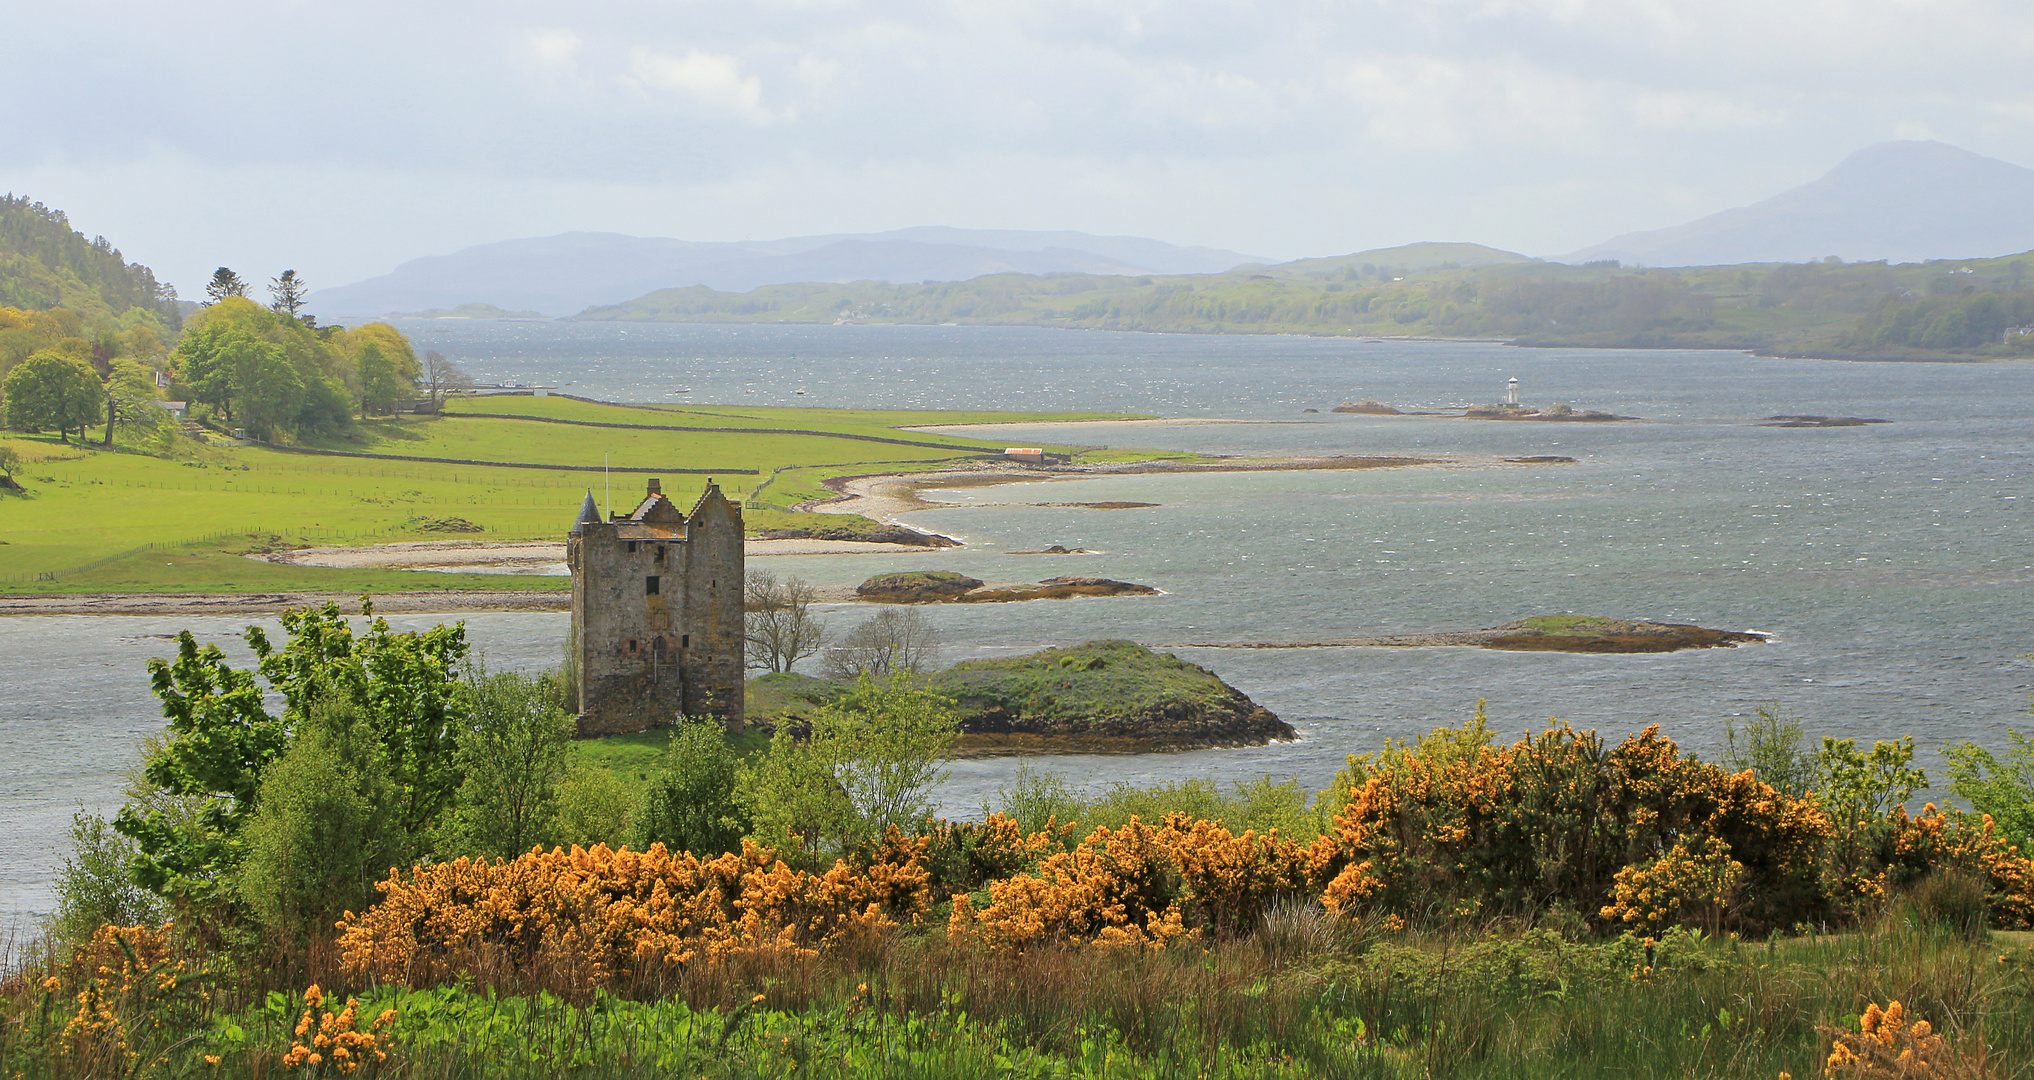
<point>92,520</point>
<point>1305,996</point>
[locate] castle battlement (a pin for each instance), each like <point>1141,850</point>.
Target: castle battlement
<point>657,612</point>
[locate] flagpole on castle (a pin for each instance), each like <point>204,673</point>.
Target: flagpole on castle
<point>609,480</point>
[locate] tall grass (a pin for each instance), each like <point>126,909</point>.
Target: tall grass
<point>1307,995</point>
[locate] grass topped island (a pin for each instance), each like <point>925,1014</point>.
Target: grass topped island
<point>1100,697</point>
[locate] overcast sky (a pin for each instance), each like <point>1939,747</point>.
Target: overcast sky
<point>343,138</point>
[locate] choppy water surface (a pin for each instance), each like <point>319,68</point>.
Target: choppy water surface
<point>1890,562</point>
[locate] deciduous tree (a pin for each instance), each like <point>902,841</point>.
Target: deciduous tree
<point>871,762</point>
<point>887,643</point>
<point>442,376</point>
<point>694,804</point>
<point>52,390</point>
<point>780,627</point>
<point>513,754</point>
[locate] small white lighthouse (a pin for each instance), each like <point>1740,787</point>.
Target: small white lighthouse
<point>1511,392</point>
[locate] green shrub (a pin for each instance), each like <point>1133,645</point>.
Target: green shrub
<point>2003,789</point>
<point>328,826</point>
<point>513,756</point>
<point>692,804</point>
<point>594,807</point>
<point>95,886</point>
<point>1955,903</point>
<point>871,762</point>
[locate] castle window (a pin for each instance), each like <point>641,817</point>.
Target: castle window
<point>660,552</point>
<point>650,585</point>
<point>685,641</point>
<point>632,644</point>
<point>658,647</point>
<point>632,547</point>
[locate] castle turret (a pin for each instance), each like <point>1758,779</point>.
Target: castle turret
<point>657,616</point>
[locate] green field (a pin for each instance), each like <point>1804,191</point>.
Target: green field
<point>92,520</point>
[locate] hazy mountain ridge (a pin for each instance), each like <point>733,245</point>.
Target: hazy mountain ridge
<point>567,273</point>
<point>1944,308</point>
<point>1897,201</point>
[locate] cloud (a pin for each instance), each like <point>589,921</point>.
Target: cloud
<point>1284,127</point>
<point>1705,110</point>
<point>710,79</point>
<point>554,51</point>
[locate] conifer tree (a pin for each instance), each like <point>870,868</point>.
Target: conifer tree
<point>288,293</point>
<point>224,283</point>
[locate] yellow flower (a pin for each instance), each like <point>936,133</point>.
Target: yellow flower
<point>211,1059</point>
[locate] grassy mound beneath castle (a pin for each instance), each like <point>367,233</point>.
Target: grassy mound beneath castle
<point>1103,696</point>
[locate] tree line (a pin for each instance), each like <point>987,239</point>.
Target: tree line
<point>272,370</point>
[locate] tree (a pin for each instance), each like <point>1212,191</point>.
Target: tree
<point>379,385</point>
<point>385,367</point>
<point>286,294</point>
<point>131,399</point>
<point>325,829</point>
<point>94,886</point>
<point>221,739</point>
<point>442,376</point>
<point>871,762</point>
<point>1773,752</point>
<point>405,686</point>
<point>513,753</point>
<point>52,390</point>
<point>694,803</point>
<point>270,392</point>
<point>224,283</point>
<point>2003,789</point>
<point>887,643</point>
<point>10,463</point>
<point>780,627</point>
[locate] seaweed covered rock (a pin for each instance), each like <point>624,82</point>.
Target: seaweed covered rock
<point>917,587</point>
<point>1056,588</point>
<point>1101,696</point>
<point>1596,634</point>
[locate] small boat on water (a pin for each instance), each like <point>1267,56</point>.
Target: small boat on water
<point>680,390</point>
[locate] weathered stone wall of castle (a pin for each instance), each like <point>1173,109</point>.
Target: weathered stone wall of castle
<point>645,657</point>
<point>714,595</point>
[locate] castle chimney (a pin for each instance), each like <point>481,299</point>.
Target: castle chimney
<point>656,487</point>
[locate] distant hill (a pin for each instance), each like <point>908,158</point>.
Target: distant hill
<point>1954,308</point>
<point>1404,259</point>
<point>1899,201</point>
<point>560,275</point>
<point>45,263</point>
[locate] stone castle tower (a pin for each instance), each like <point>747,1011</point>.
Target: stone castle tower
<point>657,612</point>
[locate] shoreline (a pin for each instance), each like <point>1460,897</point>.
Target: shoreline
<point>408,602</point>
<point>880,496</point>
<point>883,496</point>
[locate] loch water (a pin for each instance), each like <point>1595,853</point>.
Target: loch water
<point>1891,563</point>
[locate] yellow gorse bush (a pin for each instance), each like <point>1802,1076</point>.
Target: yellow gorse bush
<point>327,1040</point>
<point>1144,885</point>
<point>587,917</point>
<point>1559,817</point>
<point>1887,1046</point>
<point>1694,881</point>
<point>133,987</point>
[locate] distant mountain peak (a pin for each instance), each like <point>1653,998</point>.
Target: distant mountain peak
<point>1903,201</point>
